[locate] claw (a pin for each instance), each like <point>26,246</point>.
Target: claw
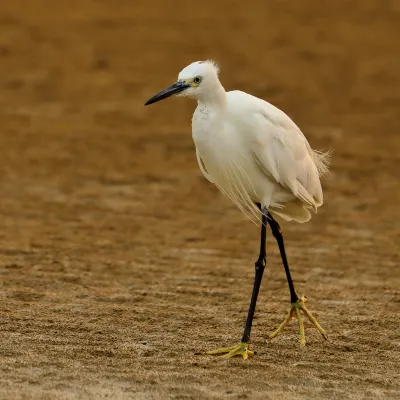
<point>239,350</point>
<point>295,312</point>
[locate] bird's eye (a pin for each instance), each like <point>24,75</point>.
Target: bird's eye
<point>197,80</point>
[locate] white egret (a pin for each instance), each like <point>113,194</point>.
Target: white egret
<point>257,156</point>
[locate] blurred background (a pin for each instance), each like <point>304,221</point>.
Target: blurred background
<point>120,264</point>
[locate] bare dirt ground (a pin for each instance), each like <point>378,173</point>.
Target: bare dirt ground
<point>120,265</point>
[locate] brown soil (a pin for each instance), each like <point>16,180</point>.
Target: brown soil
<point>120,265</point>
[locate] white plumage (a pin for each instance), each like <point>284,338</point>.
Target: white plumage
<point>252,151</point>
<point>257,156</point>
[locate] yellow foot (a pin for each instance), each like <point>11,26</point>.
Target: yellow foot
<point>239,350</point>
<point>295,312</point>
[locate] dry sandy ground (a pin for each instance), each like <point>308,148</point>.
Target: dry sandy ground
<point>120,265</point>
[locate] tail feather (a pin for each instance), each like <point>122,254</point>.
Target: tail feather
<point>322,160</point>
<point>292,212</point>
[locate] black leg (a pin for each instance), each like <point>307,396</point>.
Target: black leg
<point>276,231</point>
<point>259,271</point>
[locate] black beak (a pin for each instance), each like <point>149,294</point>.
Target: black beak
<point>169,91</point>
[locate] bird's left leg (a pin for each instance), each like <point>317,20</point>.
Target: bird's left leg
<point>297,303</point>
<point>242,348</point>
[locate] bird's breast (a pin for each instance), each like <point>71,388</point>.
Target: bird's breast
<point>209,137</point>
<point>226,159</point>
<point>205,126</point>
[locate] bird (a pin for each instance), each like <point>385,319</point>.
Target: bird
<point>259,158</point>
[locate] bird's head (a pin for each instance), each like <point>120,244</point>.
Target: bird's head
<point>194,81</point>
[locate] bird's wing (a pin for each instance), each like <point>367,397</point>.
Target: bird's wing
<point>282,152</point>
<point>203,168</point>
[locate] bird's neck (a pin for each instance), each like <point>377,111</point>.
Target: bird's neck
<point>214,99</point>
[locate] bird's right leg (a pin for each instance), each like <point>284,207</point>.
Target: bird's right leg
<point>297,303</point>
<point>242,348</point>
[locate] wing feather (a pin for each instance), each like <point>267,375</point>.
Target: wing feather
<point>203,168</point>
<point>283,154</point>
